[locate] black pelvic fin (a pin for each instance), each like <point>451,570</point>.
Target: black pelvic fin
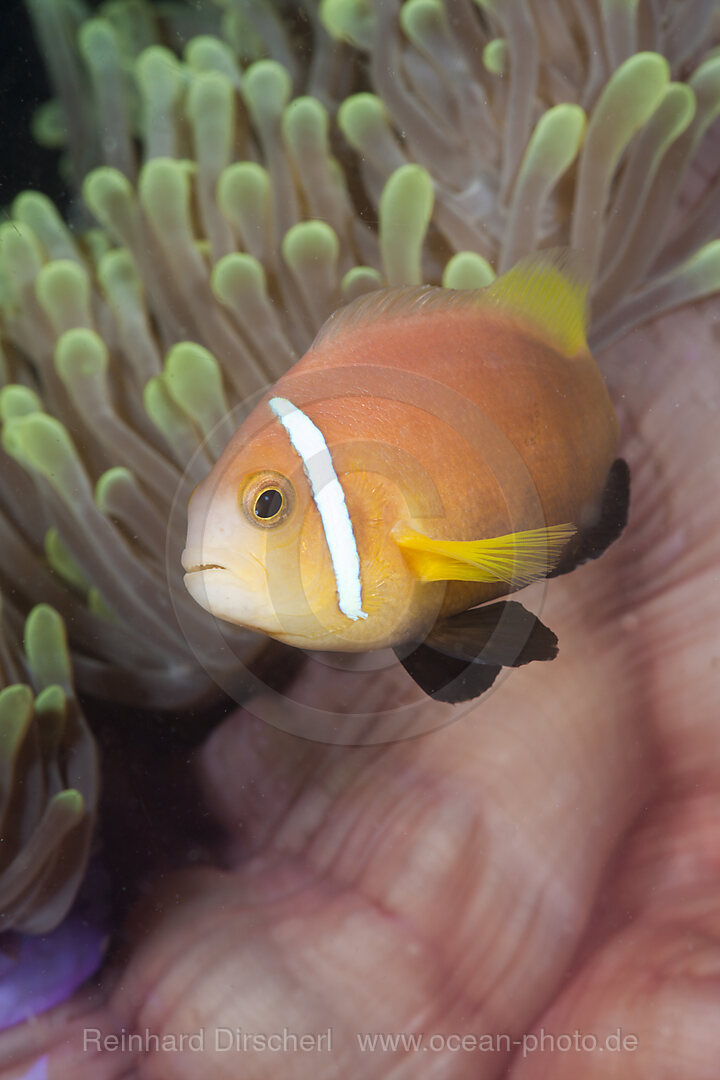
<point>612,518</point>
<point>464,654</point>
<point>445,678</point>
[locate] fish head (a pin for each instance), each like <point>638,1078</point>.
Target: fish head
<point>281,542</point>
<point>246,536</point>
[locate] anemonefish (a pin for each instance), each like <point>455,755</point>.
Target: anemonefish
<point>432,451</point>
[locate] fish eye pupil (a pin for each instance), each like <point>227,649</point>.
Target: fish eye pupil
<point>268,504</point>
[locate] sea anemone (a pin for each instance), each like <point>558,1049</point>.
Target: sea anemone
<point>48,775</point>
<point>242,199</point>
<point>245,169</point>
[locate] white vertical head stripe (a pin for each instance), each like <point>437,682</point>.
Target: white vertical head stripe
<point>309,442</point>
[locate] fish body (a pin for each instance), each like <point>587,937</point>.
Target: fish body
<point>432,451</point>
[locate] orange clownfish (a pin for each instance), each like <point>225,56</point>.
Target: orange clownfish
<point>432,451</point>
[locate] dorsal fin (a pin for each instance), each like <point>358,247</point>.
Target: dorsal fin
<point>393,303</point>
<point>545,292</point>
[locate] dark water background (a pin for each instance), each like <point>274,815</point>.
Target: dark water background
<point>23,87</point>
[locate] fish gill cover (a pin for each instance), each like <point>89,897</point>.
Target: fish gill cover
<point>239,170</point>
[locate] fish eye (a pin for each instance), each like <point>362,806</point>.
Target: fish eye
<point>268,504</point>
<point>267,499</point>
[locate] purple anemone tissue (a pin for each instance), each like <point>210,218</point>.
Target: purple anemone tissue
<point>40,972</point>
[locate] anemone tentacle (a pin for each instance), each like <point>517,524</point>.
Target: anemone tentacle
<point>48,774</point>
<point>232,193</point>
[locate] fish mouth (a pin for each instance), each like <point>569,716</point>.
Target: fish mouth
<point>196,561</point>
<point>226,595</point>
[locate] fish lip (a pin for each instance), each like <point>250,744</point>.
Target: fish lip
<point>226,597</point>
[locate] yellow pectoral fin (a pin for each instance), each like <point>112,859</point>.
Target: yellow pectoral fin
<point>516,559</point>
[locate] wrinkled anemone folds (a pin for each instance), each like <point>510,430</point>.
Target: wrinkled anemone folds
<point>228,197</point>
